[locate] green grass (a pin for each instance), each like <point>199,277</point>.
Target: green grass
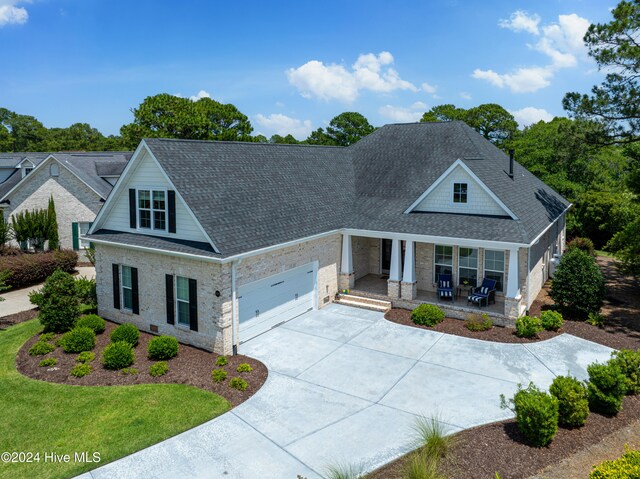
<point>113,420</point>
<point>604,254</point>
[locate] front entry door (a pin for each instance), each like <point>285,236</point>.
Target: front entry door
<point>385,255</point>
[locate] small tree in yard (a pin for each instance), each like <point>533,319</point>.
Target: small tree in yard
<point>578,286</point>
<point>58,302</point>
<point>52,226</point>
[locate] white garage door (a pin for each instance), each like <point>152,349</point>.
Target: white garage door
<point>274,300</point>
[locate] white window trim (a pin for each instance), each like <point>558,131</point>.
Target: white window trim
<point>453,194</point>
<point>176,301</point>
<point>54,170</point>
<point>435,246</point>
<point>83,243</point>
<point>466,267</point>
<point>151,189</point>
<point>26,171</point>
<point>504,262</point>
<point>122,288</point>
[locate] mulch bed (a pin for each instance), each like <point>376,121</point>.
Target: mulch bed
<point>191,366</point>
<point>21,317</point>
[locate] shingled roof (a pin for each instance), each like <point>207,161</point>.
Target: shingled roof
<point>253,195</point>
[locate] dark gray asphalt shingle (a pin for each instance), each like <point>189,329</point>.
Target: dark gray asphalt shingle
<point>145,241</point>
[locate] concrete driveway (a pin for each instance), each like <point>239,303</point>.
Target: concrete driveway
<point>345,388</point>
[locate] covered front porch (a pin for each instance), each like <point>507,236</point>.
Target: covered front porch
<point>406,272</point>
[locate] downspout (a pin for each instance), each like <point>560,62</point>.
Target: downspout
<point>528,276</point>
<point>234,311</point>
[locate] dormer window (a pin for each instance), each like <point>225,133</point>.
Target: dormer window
<point>26,170</point>
<point>152,209</point>
<point>460,192</point>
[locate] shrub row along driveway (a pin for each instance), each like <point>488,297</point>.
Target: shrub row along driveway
<point>345,387</point>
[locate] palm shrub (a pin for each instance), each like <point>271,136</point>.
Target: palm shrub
<point>78,340</point>
<point>536,414</point>
<point>528,326</point>
<point>118,355</point>
<point>578,286</point>
<point>92,321</point>
<point>427,315</point>
<point>573,406</point>
<point>606,388</point>
<point>551,320</point>
<point>162,347</point>
<point>628,362</point>
<point>125,332</point>
<point>57,302</point>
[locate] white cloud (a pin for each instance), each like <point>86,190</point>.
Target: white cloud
<point>419,105</point>
<point>521,21</point>
<point>530,115</point>
<point>429,88</point>
<point>201,94</point>
<point>279,104</point>
<point>465,95</point>
<point>284,125</point>
<point>328,82</point>
<point>404,115</point>
<point>9,13</point>
<point>561,42</point>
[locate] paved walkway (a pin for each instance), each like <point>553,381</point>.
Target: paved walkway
<point>17,300</point>
<point>346,388</point>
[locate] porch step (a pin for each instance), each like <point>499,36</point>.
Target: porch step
<point>365,303</point>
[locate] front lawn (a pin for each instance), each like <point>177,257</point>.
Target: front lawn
<point>41,417</point>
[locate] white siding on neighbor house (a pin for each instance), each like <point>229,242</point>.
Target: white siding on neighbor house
<point>147,174</point>
<point>479,202</point>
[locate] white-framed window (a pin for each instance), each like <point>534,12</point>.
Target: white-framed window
<point>468,266</point>
<point>152,209</point>
<point>443,260</point>
<point>460,192</point>
<point>494,267</point>
<point>54,169</point>
<point>83,229</point>
<point>26,170</point>
<point>126,282</point>
<point>182,301</point>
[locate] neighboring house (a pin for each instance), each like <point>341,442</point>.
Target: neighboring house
<point>78,182</point>
<point>217,242</point>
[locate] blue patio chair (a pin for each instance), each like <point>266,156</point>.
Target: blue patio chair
<point>445,287</point>
<point>486,293</point>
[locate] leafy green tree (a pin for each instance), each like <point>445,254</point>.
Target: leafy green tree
<point>344,129</point>
<point>79,136</point>
<point>615,103</point>
<point>25,132</point>
<point>626,246</point>
<point>492,121</point>
<point>289,139</point>
<point>52,230</point>
<point>222,121</point>
<point>447,112</point>
<point>319,137</point>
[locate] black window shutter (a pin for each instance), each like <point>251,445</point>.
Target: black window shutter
<point>171,202</point>
<point>133,223</point>
<point>116,285</point>
<point>135,302</point>
<point>171,311</point>
<point>193,304</point>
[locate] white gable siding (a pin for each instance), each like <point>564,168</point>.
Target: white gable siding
<point>147,174</point>
<point>479,202</point>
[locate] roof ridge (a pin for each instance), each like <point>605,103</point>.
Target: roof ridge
<point>237,142</point>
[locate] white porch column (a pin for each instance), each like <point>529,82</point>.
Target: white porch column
<point>409,285</point>
<point>513,298</point>
<point>347,276</point>
<point>395,270</point>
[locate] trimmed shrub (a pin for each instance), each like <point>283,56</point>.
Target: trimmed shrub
<point>86,357</point>
<point>129,371</point>
<point>528,326</point>
<point>628,362</point>
<point>596,319</point>
<point>86,290</point>
<point>427,315</point>
<point>57,302</point>
<point>578,286</point>
<point>238,383</point>
<point>118,355</point>
<point>47,336</point>
<point>536,414</point>
<point>78,340</point>
<point>222,361</point>
<point>584,244</point>
<point>162,347</point>
<point>125,332</point>
<point>244,368</point>
<point>218,375</point>
<point>551,320</point>
<point>46,362</point>
<point>92,321</point>
<point>625,467</point>
<point>477,322</point>
<point>28,269</point>
<point>159,369</point>
<point>606,388</point>
<point>573,406</point>
<point>41,348</point>
<point>81,369</point>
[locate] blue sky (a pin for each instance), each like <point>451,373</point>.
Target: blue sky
<point>291,66</point>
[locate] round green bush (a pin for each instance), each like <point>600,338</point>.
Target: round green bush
<point>48,362</point>
<point>578,286</point>
<point>573,406</point>
<point>129,371</point>
<point>476,322</point>
<point>47,336</point>
<point>606,388</point>
<point>628,362</point>
<point>625,467</point>
<point>162,347</point>
<point>86,357</point>
<point>81,370</point>
<point>159,369</point>
<point>218,375</point>
<point>528,326</point>
<point>78,340</point>
<point>536,414</point>
<point>238,383</point>
<point>584,244</point>
<point>118,355</point>
<point>57,302</point>
<point>127,333</point>
<point>551,320</point>
<point>244,368</point>
<point>92,321</point>
<point>222,361</point>
<point>427,315</point>
<point>41,348</point>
